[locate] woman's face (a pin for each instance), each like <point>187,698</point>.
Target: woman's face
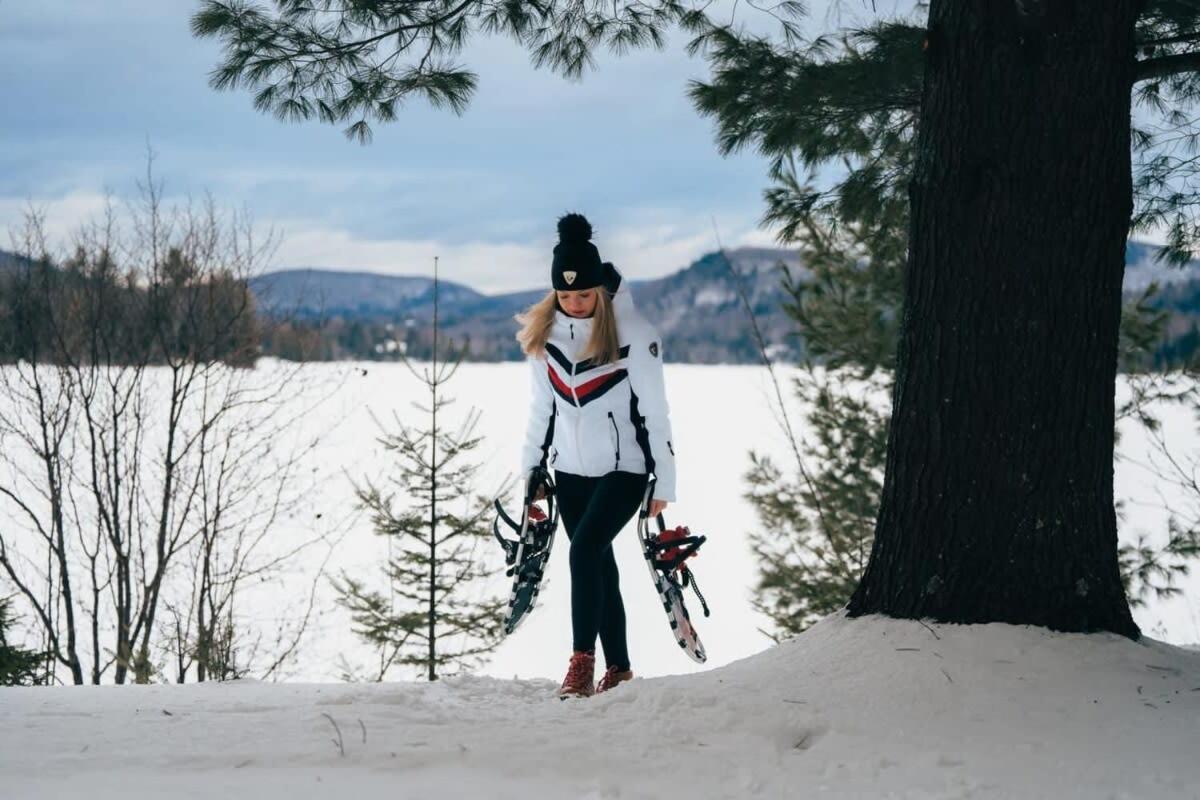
<point>578,302</point>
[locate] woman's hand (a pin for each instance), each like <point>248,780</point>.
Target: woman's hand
<point>656,507</point>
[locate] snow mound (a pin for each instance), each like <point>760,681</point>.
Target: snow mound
<point>869,707</point>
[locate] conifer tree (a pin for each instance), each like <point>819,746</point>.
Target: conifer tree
<point>855,103</point>
<point>816,516</point>
<point>436,614</point>
<point>18,666</point>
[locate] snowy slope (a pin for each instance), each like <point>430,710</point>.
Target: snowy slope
<point>718,414</point>
<point>853,708</point>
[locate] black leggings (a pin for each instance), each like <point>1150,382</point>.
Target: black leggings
<point>594,510</point>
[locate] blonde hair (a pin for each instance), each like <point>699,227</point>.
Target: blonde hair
<point>603,346</point>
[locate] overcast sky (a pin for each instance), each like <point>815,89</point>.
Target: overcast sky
<point>85,85</point>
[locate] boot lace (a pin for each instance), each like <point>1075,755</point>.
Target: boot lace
<point>580,669</point>
<point>609,679</point>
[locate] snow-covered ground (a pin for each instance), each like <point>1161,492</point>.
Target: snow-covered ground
<point>852,708</point>
<point>718,412</point>
<point>866,708</point>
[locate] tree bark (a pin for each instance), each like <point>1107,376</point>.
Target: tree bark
<point>998,492</point>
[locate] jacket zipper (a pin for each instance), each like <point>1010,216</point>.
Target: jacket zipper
<point>617,433</point>
<point>553,449</point>
<point>573,392</point>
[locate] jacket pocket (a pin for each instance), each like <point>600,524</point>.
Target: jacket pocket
<point>616,437</point>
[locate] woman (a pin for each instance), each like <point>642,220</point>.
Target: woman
<point>599,418</point>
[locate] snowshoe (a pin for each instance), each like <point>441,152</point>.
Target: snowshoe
<point>665,553</point>
<point>527,555</point>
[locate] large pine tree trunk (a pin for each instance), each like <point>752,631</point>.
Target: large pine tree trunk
<point>998,495</point>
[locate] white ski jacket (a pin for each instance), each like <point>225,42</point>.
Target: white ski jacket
<point>589,419</point>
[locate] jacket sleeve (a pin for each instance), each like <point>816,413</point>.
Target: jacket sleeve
<point>646,380</point>
<point>539,431</point>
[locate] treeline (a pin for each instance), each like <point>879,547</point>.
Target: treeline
<point>1177,351</point>
<point>1179,345</point>
<point>91,308</point>
<point>340,339</point>
<point>1176,344</point>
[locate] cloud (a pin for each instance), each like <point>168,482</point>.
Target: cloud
<point>63,215</point>
<point>485,266</point>
<point>665,244</point>
<point>645,242</point>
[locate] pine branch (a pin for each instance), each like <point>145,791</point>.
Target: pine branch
<point>303,65</point>
<point>1165,66</point>
<point>1192,36</point>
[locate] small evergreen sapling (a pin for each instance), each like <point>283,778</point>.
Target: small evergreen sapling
<point>436,614</point>
<point>18,667</point>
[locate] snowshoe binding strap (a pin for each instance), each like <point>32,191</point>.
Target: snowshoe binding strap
<point>509,545</point>
<point>668,549</point>
<point>534,516</point>
<point>690,579</point>
<point>530,553</point>
<point>672,547</point>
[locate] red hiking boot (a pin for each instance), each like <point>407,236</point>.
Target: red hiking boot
<point>580,671</point>
<point>611,677</point>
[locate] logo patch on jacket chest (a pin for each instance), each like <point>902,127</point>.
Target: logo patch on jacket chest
<point>654,349</point>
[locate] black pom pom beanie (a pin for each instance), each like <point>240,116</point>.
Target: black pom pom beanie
<point>576,263</point>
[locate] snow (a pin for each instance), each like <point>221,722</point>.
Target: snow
<point>714,296</point>
<point>868,707</point>
<point>852,708</point>
<point>718,413</point>
<point>711,461</point>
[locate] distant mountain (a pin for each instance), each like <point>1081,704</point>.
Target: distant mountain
<point>1141,268</point>
<point>10,261</point>
<point>308,292</point>
<point>703,318</point>
<point>697,309</point>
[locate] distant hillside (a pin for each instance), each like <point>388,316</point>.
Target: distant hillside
<point>1141,269</point>
<point>697,309</point>
<point>335,314</point>
<point>10,261</point>
<point>323,293</point>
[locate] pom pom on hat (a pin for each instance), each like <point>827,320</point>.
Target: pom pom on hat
<point>574,228</point>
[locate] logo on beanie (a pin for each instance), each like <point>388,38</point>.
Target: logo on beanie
<point>654,349</point>
<point>569,275</point>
